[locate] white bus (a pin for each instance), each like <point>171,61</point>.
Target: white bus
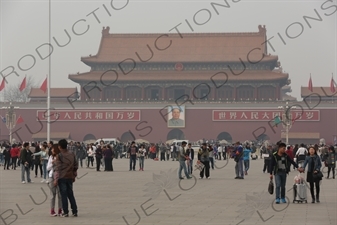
<point>111,141</point>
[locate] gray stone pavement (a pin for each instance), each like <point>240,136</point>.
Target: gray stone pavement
<point>155,196</point>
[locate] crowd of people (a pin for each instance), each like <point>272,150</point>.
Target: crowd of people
<point>278,161</point>
<point>52,160</point>
<point>58,163</point>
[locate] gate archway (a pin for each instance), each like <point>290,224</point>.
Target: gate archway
<point>89,137</point>
<point>176,134</point>
<point>225,136</point>
<point>263,137</point>
<point>127,136</point>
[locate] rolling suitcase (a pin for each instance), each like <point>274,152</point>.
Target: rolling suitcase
<point>299,190</point>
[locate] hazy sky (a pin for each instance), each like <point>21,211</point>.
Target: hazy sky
<point>24,26</point>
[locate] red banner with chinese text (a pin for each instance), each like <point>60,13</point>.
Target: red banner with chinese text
<point>264,115</point>
<point>90,115</point>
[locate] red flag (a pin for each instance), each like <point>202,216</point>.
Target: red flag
<point>44,86</point>
<point>2,86</point>
<point>23,84</point>
<point>310,85</point>
<point>19,120</point>
<point>332,86</point>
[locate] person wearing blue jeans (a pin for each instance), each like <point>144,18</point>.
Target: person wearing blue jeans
<point>190,154</point>
<point>25,158</point>
<point>182,157</point>
<point>65,173</point>
<point>246,158</point>
<point>238,158</point>
<point>44,160</point>
<point>133,151</point>
<point>279,166</point>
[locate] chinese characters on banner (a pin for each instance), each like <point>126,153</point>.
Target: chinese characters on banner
<point>90,115</point>
<point>264,115</point>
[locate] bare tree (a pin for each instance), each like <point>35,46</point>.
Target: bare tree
<point>12,93</point>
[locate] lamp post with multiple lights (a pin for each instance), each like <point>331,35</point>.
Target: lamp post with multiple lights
<point>287,119</point>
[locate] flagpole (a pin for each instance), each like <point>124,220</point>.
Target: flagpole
<point>310,94</point>
<point>48,78</point>
<point>334,85</point>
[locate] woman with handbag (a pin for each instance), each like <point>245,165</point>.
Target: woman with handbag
<point>314,174</point>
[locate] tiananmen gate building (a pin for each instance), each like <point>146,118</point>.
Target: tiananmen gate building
<point>159,87</point>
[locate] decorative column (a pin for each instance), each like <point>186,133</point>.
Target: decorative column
<point>255,92</point>
<point>213,93</point>
<point>235,95</point>
<point>278,94</point>
<point>163,91</point>
<point>143,92</point>
<point>122,92</point>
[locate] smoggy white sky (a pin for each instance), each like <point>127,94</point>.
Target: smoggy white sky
<point>24,26</point>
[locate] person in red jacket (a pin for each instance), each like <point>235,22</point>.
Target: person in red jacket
<point>14,155</point>
<point>289,152</point>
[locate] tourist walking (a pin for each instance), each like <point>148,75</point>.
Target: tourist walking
<point>7,156</point>
<point>182,158</point>
<point>65,174</point>
<point>108,157</point>
<point>55,190</point>
<point>267,154</point>
<point>43,155</point>
<point>168,152</point>
<point>211,156</point>
<point>132,152</point>
<point>238,158</point>
<point>330,161</point>
<point>14,155</point>
<point>141,157</point>
<point>99,155</point>
<point>314,166</point>
<point>162,149</point>
<point>190,153</point>
<point>80,153</point>
<point>279,167</point>
<point>26,160</point>
<point>301,153</point>
<point>246,158</point>
<point>90,153</point>
<point>37,160</point>
<point>203,157</point>
<point>2,148</point>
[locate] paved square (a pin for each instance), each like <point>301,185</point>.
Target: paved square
<point>155,196</point>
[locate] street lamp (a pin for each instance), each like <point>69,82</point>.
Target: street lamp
<point>287,120</point>
<point>10,119</point>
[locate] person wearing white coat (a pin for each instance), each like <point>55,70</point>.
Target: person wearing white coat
<point>54,189</point>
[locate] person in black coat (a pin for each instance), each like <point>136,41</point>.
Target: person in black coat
<point>37,161</point>
<point>108,157</point>
<point>190,154</point>
<point>99,154</point>
<point>7,156</point>
<point>314,165</point>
